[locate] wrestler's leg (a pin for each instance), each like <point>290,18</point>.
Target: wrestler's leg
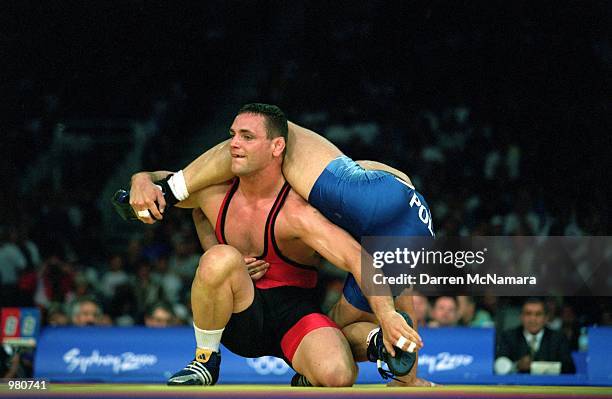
<point>357,324</point>
<point>373,165</point>
<point>221,286</point>
<point>324,358</point>
<point>212,167</point>
<point>343,314</point>
<point>307,155</point>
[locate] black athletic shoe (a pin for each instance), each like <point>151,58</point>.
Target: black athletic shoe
<point>201,371</point>
<point>299,380</point>
<point>121,202</point>
<point>399,365</point>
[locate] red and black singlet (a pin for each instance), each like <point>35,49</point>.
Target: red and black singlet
<point>282,271</point>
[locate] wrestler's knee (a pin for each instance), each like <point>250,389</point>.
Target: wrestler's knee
<point>218,263</point>
<point>337,374</point>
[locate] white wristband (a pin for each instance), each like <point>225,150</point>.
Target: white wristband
<point>178,186</point>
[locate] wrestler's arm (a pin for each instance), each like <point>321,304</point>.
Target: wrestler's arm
<point>210,168</point>
<point>339,248</point>
<point>205,231</point>
<point>144,194</point>
<point>307,155</point>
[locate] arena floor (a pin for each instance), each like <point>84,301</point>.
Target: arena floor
<point>276,391</point>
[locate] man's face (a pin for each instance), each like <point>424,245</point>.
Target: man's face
<point>250,147</point>
<point>533,317</point>
<point>87,316</point>
<point>159,318</point>
<point>445,311</point>
<point>421,306</point>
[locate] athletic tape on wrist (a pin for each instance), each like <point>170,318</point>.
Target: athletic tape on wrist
<point>178,186</point>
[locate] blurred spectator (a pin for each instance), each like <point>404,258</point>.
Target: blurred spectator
<point>85,312</point>
<point>56,284</point>
<point>570,326</point>
<point>28,283</point>
<point>17,254</point>
<point>82,286</point>
<point>159,315</point>
<point>124,306</point>
<point>133,255</point>
<point>554,321</point>
<point>56,317</point>
<point>147,291</point>
<point>182,314</point>
<point>169,280</point>
<point>421,309</point>
<point>444,312</point>
<point>113,277</point>
<point>105,320</point>
<point>185,258</point>
<point>470,315</point>
<point>533,341</point>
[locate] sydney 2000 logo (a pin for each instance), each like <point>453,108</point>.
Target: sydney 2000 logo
<point>266,365</point>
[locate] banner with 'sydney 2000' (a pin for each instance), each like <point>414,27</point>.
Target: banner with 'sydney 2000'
<point>139,354</point>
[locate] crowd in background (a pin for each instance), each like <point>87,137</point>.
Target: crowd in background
<point>498,114</point>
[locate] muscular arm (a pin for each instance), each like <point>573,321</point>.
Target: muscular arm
<point>210,168</point>
<point>308,154</point>
<point>206,233</point>
<point>339,248</point>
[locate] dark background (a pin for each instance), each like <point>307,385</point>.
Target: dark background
<point>500,111</point>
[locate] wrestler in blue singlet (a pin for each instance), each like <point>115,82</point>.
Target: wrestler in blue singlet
<point>368,203</point>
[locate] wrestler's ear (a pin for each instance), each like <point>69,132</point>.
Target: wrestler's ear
<point>279,146</point>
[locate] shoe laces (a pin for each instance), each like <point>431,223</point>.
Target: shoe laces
<point>385,374</point>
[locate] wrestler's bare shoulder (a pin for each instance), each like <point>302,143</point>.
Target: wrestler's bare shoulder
<point>296,204</point>
<point>214,190</point>
<point>296,211</point>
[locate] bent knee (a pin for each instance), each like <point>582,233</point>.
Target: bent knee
<point>221,252</point>
<point>219,262</point>
<point>338,375</point>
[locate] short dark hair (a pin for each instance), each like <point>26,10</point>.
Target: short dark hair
<point>536,299</point>
<point>159,305</point>
<point>276,121</point>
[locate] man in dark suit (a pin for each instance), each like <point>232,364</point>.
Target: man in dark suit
<point>533,341</point>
